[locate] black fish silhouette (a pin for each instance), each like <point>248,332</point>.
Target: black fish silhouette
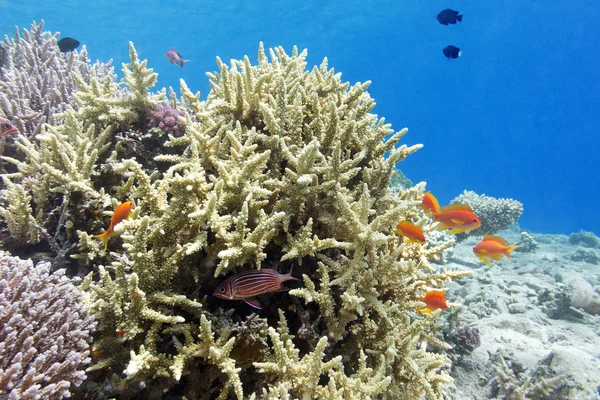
<point>451,51</point>
<point>449,16</point>
<point>67,44</point>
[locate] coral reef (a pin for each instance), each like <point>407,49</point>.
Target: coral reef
<point>565,300</point>
<point>495,214</point>
<point>165,118</point>
<point>437,238</point>
<point>37,81</point>
<point>400,182</point>
<point>586,255</point>
<point>280,166</point>
<point>44,332</point>
<point>513,382</point>
<point>527,244</point>
<point>585,239</point>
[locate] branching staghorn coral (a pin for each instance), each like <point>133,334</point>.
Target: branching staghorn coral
<point>280,166</point>
<point>37,81</point>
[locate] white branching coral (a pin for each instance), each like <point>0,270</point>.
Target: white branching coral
<point>37,81</point>
<point>44,332</point>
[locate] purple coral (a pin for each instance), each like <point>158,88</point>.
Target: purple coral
<point>467,340</point>
<point>44,331</point>
<point>166,119</point>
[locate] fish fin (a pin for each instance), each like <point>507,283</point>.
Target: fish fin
<point>130,215</point>
<point>423,310</point>
<point>509,249</point>
<point>104,237</point>
<point>251,301</point>
<point>289,277</point>
<point>497,257</point>
<point>496,239</point>
<point>282,288</point>
<point>486,261</point>
<point>455,231</point>
<point>454,207</point>
<point>441,227</point>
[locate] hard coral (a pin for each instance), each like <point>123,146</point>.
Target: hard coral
<point>279,166</point>
<point>44,332</point>
<point>166,119</point>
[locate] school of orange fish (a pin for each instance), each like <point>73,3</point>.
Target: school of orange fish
<point>455,218</point>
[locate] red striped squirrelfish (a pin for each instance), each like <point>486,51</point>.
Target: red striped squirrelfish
<point>410,231</point>
<point>433,300</point>
<point>6,128</point>
<point>122,211</point>
<point>430,203</point>
<point>456,217</point>
<point>247,284</point>
<point>492,247</point>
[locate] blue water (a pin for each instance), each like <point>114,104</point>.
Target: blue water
<point>517,115</point>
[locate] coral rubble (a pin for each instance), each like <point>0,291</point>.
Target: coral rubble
<point>280,166</point>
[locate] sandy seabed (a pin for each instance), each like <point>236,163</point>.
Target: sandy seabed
<point>536,318</point>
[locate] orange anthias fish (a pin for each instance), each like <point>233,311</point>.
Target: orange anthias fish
<point>492,247</point>
<point>122,212</point>
<point>430,204</point>
<point>410,231</point>
<point>247,284</point>
<point>433,300</point>
<point>6,128</point>
<point>456,217</point>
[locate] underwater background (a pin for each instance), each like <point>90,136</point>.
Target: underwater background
<point>250,234</point>
<point>515,116</point>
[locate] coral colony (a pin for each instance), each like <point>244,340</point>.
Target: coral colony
<point>281,169</point>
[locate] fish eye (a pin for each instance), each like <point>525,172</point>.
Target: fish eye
<point>474,220</point>
<point>222,290</point>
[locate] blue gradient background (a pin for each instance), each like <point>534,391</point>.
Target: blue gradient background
<point>516,116</point>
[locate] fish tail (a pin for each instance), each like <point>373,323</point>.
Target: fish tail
<point>104,236</point>
<point>509,249</point>
<point>459,18</point>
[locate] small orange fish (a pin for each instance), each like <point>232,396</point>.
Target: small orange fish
<point>456,217</point>
<point>433,300</point>
<point>6,128</point>
<point>410,231</point>
<point>492,247</point>
<point>122,211</point>
<point>430,204</point>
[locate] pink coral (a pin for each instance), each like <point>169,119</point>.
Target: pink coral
<point>166,119</point>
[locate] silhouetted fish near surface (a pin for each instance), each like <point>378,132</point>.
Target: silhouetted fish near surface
<point>67,44</point>
<point>451,51</point>
<point>449,16</point>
